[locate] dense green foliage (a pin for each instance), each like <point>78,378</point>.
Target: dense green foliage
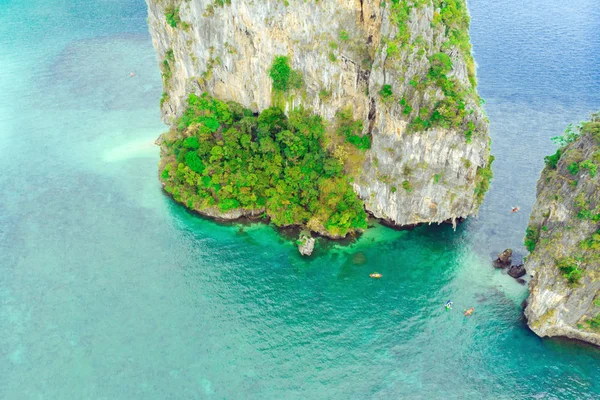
<point>569,267</point>
<point>172,15</point>
<point>280,73</point>
<point>406,108</point>
<point>283,76</point>
<point>531,238</point>
<point>441,64</point>
<point>284,79</point>
<point>552,161</point>
<point>573,168</point>
<point>224,156</point>
<point>591,166</point>
<point>343,36</point>
<point>386,91</point>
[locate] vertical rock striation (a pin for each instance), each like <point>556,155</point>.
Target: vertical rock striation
<point>404,68</point>
<point>564,239</point>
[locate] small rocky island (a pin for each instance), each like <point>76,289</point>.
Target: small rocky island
<point>313,114</point>
<point>564,240</point>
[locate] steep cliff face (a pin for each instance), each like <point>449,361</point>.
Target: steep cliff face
<point>564,240</point>
<point>403,68</point>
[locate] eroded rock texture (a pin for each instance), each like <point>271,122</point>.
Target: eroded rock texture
<point>429,159</point>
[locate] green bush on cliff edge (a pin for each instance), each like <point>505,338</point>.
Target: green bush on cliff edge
<point>531,238</point>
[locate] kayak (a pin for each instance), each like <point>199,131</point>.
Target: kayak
<point>375,275</point>
<point>469,312</point>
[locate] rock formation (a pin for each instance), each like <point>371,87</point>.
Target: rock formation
<point>402,69</point>
<point>504,259</point>
<point>564,239</point>
<point>517,271</point>
<point>306,244</point>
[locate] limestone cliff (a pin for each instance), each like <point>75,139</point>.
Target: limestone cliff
<point>402,67</point>
<point>564,240</point>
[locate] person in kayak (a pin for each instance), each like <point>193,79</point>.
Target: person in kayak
<point>469,312</point>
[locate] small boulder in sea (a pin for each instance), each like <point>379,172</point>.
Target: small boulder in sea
<point>521,281</point>
<point>517,271</point>
<point>306,244</point>
<point>504,259</point>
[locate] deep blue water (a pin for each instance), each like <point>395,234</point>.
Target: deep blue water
<point>109,290</point>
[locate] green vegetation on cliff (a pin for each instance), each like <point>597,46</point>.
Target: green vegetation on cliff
<point>453,110</point>
<point>222,156</point>
<point>531,238</point>
<point>569,267</point>
<point>594,323</point>
<point>284,79</point>
<point>483,179</point>
<point>351,129</point>
<point>172,15</point>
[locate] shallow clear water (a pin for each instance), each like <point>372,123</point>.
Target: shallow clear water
<point>109,290</point>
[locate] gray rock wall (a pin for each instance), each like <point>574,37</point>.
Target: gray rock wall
<point>227,50</point>
<point>557,307</point>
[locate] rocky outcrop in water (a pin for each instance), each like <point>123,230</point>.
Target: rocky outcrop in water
<point>504,259</point>
<point>517,271</point>
<point>564,239</point>
<point>306,244</point>
<point>402,70</point>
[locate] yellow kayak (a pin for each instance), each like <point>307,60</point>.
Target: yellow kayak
<point>375,275</point>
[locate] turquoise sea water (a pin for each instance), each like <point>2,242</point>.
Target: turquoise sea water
<point>108,290</point>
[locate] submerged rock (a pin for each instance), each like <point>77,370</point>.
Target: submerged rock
<point>517,271</point>
<point>359,258</point>
<point>306,244</point>
<point>504,259</point>
<point>564,240</point>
